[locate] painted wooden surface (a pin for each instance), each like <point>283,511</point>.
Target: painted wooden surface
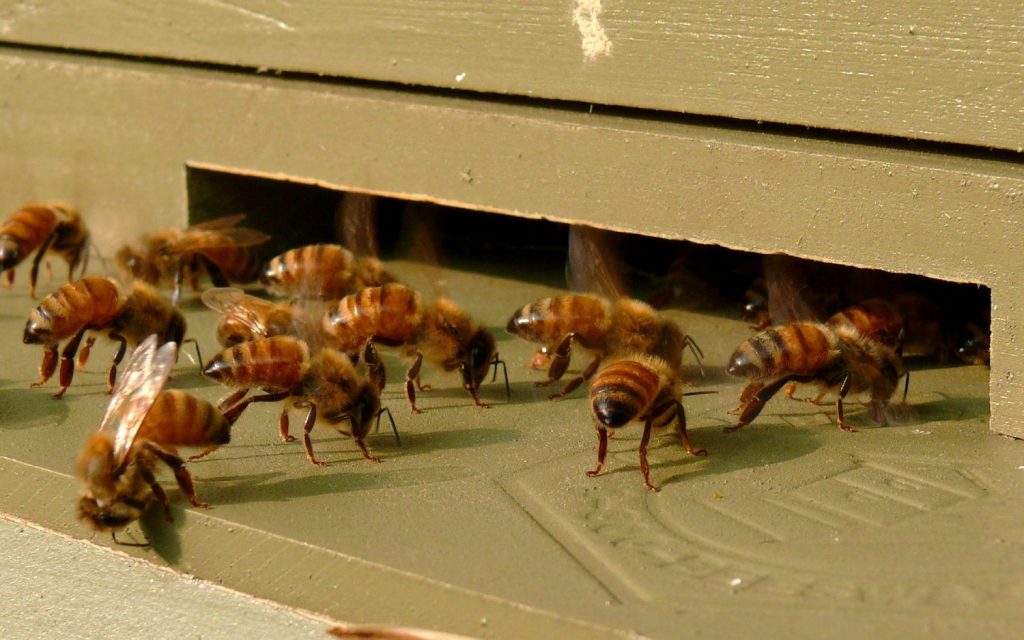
<point>938,71</point>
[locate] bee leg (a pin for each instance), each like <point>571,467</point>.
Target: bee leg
<point>231,400</point>
<point>112,374</point>
<point>310,421</point>
<point>763,394</point>
<point>83,355</point>
<point>158,491</point>
<point>644,467</point>
<point>790,389</point>
<point>844,388</point>
<point>681,430</point>
<point>374,366</point>
<point>181,474</point>
<point>412,374</point>
<point>560,361</point>
<point>9,278</point>
<point>203,454</point>
<point>575,382</point>
<point>67,362</point>
<point>179,277</point>
<point>602,451</point>
<point>49,271</point>
<point>47,366</point>
<point>34,273</point>
<point>748,392</point>
<point>283,426</point>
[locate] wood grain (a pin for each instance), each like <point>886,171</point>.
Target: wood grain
<point>937,71</point>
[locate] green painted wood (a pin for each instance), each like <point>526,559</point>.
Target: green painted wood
<point>938,71</point>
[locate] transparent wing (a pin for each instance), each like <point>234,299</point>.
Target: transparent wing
<point>594,264</point>
<point>141,381</point>
<point>237,304</point>
<point>219,223</point>
<point>210,240</point>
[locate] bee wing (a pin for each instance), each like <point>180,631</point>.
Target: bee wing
<point>211,239</point>
<point>218,223</point>
<point>235,303</point>
<point>358,217</point>
<point>594,264</point>
<point>141,381</point>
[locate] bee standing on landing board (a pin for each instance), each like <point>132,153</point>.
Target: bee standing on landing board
<point>845,355</point>
<point>322,271</point>
<point>326,384</point>
<point>396,316</point>
<point>216,246</point>
<point>96,304</point>
<point>50,227</point>
<point>144,424</point>
<point>637,388</point>
<point>600,326</point>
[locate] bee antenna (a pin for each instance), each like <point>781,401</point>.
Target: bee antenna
<point>392,419</point>
<point>699,393</point>
<point>496,362</point>
<point>198,354</point>
<point>113,537</point>
<point>906,387</point>
<point>698,354</point>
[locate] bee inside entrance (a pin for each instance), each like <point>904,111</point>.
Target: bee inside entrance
<point>946,324</point>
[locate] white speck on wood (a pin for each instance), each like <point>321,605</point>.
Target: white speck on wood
<point>459,77</point>
<point>256,15</point>
<point>586,17</point>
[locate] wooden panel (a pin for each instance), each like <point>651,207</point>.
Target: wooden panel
<point>122,148</point>
<point>939,71</point>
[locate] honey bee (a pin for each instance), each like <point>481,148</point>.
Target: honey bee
<point>326,384</point>
<point>323,271</point>
<point>217,247</point>
<point>601,327</point>
<point>637,388</point>
<point>97,304</point>
<point>854,351</point>
<point>49,227</point>
<point>396,316</point>
<point>245,317</point>
<point>144,424</point>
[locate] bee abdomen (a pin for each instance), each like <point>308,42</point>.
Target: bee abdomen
<point>550,319</point>
<point>178,418</point>
<point>622,391</point>
<point>321,270</point>
<point>30,225</point>
<point>278,362</point>
<point>390,313</point>
<point>801,348</point>
<point>90,301</point>
<point>238,264</point>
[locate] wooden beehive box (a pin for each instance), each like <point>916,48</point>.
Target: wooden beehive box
<point>868,135</point>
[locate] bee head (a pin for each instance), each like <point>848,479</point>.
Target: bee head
<point>109,517</point>
<point>10,253</point>
<point>480,357</point>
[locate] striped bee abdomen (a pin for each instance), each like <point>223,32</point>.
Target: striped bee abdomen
<point>390,313</point>
<point>180,419</point>
<point>622,392</point>
<point>800,348</point>
<point>548,320</point>
<point>90,301</point>
<point>279,362</point>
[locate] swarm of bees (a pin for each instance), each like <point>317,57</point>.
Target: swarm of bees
<point>313,345</point>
